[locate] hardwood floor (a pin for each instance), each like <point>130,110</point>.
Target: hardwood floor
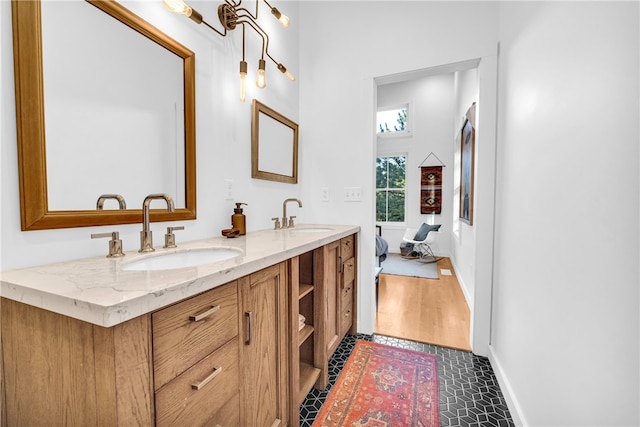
<point>425,310</point>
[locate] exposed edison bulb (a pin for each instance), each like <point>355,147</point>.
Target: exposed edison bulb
<point>286,72</point>
<point>243,80</point>
<point>261,81</point>
<point>290,76</point>
<point>284,21</point>
<point>177,6</point>
<point>281,17</point>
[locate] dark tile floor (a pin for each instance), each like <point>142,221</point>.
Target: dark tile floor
<point>469,392</point>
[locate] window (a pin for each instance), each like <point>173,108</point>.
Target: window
<point>390,188</point>
<point>392,120</point>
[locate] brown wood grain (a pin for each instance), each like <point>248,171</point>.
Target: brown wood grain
<point>264,354</point>
<point>63,371</point>
<point>179,342</point>
<point>178,403</point>
<point>424,310</point>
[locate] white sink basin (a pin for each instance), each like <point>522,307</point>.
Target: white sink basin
<point>181,259</point>
<point>311,230</point>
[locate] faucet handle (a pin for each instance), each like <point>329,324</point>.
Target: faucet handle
<point>291,224</point>
<point>170,238</point>
<point>115,244</point>
<point>276,226</point>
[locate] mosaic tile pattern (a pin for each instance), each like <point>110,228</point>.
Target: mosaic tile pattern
<point>469,392</point>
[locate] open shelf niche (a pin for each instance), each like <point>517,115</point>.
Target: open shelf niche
<point>307,303</point>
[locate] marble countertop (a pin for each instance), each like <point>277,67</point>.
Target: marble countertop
<point>97,290</point>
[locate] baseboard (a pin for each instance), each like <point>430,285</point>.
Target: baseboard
<point>507,391</point>
<point>465,292</point>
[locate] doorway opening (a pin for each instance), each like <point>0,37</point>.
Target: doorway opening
<point>427,310</point>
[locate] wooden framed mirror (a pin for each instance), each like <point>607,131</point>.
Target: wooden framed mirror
<point>274,145</point>
<point>37,211</point>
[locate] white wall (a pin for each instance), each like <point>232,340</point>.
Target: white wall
<point>565,314</point>
<point>223,138</point>
<point>338,99</point>
<point>463,239</point>
<point>431,101</point>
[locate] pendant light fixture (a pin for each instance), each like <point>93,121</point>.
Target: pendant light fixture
<point>231,14</point>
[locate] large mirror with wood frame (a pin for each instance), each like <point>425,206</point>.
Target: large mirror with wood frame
<point>72,150</point>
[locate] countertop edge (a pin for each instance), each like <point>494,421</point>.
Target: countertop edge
<point>146,302</point>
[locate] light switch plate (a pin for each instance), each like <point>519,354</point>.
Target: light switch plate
<point>352,194</point>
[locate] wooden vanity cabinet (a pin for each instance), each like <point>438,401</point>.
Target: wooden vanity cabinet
<point>187,364</point>
<point>233,355</point>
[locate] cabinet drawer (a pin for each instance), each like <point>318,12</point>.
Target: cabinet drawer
<point>205,394</point>
<point>348,271</point>
<point>346,247</point>
<point>347,294</point>
<point>346,319</point>
<point>186,332</point>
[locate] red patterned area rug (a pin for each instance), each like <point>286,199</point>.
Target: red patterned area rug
<point>383,386</point>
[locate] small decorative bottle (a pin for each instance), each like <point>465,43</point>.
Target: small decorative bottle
<point>239,220</point>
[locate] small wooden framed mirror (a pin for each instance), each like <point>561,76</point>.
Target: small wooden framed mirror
<point>274,145</point>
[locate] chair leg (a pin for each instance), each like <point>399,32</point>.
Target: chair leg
<point>424,250</point>
<point>428,252</point>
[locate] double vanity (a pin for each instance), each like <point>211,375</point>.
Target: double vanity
<point>214,332</point>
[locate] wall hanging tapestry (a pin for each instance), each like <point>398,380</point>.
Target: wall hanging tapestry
<point>467,150</point>
<point>383,386</point>
<point>430,189</point>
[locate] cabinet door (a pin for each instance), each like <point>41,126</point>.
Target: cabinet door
<point>264,350</point>
<point>332,295</point>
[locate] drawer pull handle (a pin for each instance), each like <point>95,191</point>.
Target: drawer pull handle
<point>249,316</point>
<point>212,375</point>
<point>348,313</point>
<point>204,314</point>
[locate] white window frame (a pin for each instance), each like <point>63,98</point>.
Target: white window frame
<point>395,134</point>
<point>406,159</point>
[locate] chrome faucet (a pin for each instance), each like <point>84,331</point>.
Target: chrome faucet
<point>146,236</point>
<point>288,223</point>
<point>100,203</point>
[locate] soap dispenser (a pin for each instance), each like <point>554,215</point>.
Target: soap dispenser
<point>238,219</point>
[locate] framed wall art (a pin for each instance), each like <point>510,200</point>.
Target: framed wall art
<point>467,150</point>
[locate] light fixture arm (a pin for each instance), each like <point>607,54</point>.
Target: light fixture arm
<point>283,19</point>
<point>231,14</point>
<point>222,34</point>
<point>259,31</point>
<point>265,43</point>
<point>255,17</point>
<point>243,43</point>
